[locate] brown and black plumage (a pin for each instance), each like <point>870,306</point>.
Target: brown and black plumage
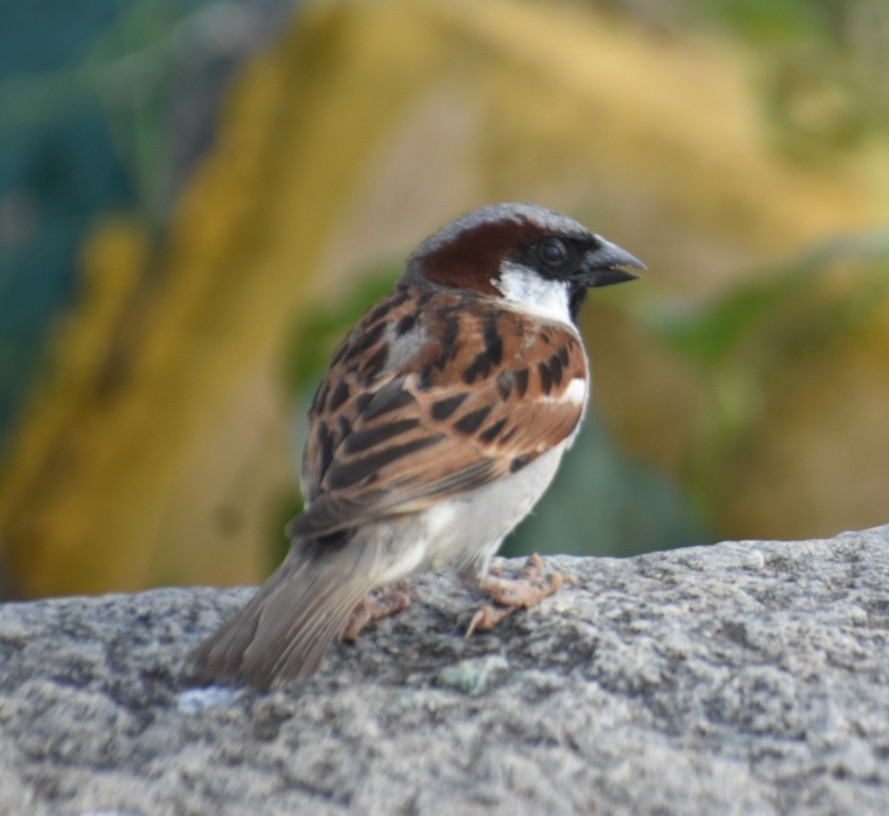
<point>440,421</point>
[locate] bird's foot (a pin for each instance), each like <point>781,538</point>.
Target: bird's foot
<point>509,594</point>
<point>378,603</point>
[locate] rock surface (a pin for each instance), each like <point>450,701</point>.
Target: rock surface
<point>744,678</point>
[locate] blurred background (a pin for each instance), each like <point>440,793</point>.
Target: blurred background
<point>198,198</point>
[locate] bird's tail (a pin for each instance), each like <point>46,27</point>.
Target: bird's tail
<point>285,629</point>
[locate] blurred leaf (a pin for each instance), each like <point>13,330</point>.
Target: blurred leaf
<point>772,19</point>
<point>751,340</point>
<point>316,336</point>
<point>602,503</point>
<point>710,334</point>
<point>85,128</point>
<point>169,425</point>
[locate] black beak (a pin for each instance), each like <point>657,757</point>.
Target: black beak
<point>603,265</point>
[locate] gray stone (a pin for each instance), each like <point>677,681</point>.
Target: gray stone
<point>743,678</point>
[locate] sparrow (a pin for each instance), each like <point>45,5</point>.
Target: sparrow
<point>441,420</point>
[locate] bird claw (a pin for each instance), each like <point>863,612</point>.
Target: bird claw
<point>531,586</point>
<point>378,603</point>
<point>487,616</point>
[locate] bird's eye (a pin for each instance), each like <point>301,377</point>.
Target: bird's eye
<point>553,252</point>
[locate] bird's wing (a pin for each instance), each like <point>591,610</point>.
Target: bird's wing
<point>432,395</point>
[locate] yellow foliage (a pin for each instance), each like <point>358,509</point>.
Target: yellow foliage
<point>819,462</point>
<point>158,447</point>
<point>170,469</point>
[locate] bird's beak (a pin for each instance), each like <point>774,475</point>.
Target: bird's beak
<point>605,264</point>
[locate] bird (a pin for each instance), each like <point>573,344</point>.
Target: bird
<point>441,420</point>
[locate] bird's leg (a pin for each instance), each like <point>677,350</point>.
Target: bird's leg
<point>378,603</point>
<point>509,594</point>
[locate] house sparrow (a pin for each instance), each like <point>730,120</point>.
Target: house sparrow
<point>439,424</point>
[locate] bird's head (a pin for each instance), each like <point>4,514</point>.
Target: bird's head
<point>536,259</point>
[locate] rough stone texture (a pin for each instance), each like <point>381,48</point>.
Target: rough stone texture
<point>743,678</point>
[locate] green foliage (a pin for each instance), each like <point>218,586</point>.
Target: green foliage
<point>85,110</point>
<point>603,503</point>
<point>823,81</point>
<point>317,335</point>
<point>745,340</point>
<point>764,20</point>
<point>711,334</point>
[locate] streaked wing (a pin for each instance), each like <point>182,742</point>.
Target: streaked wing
<point>434,394</point>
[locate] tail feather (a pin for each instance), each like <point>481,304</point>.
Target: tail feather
<point>285,629</point>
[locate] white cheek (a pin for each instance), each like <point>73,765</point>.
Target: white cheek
<point>533,294</point>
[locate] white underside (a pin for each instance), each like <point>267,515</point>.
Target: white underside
<point>465,533</point>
